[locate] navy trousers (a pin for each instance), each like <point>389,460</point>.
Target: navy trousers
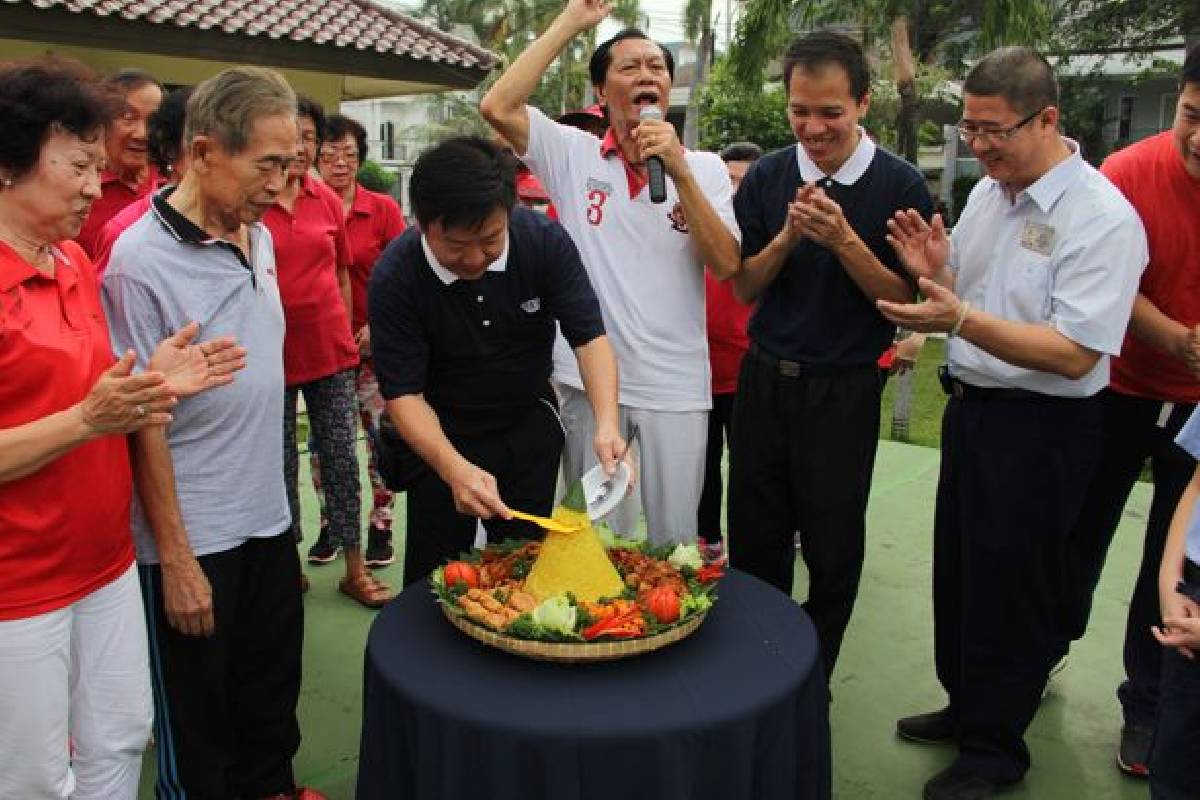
<point>1013,479</point>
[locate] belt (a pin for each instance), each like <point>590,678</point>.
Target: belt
<point>955,388</point>
<point>794,369</point>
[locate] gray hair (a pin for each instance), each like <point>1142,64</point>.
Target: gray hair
<point>1020,75</point>
<point>226,105</point>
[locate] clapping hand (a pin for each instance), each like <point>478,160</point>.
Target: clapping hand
<point>121,402</point>
<point>193,368</point>
<point>939,311</point>
<point>922,247</point>
<point>821,219</point>
<point>793,229</point>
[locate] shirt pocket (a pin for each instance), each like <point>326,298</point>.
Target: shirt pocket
<point>1028,284</point>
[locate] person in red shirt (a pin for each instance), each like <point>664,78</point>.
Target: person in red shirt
<point>372,221</point>
<point>167,158</point>
<point>128,174</point>
<point>1153,389</point>
<point>72,629</point>
<point>320,357</point>
<point>727,319</point>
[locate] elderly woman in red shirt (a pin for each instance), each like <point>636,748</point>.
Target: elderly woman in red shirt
<point>128,175</point>
<point>320,356</point>
<point>372,221</point>
<point>73,663</point>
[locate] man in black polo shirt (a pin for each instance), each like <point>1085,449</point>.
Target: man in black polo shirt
<point>816,258</point>
<point>462,316</point>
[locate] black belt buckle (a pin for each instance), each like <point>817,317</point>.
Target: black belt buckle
<point>951,387</point>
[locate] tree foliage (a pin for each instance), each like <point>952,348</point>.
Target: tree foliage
<point>730,112</point>
<point>507,27</point>
<point>915,32</point>
<point>375,177</point>
<point>1142,25</point>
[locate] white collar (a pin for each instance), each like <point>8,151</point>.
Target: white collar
<point>851,170</point>
<point>447,277</point>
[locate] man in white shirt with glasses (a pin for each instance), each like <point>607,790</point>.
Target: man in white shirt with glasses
<point>1035,290</point>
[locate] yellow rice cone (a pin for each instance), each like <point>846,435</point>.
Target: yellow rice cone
<point>575,562</point>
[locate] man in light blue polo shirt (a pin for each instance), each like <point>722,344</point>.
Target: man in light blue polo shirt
<point>1035,291</point>
<point>1175,757</point>
<point>220,574</point>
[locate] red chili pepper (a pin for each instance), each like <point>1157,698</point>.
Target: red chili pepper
<point>618,626</point>
<point>710,573</point>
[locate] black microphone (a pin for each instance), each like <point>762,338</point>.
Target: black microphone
<point>654,165</point>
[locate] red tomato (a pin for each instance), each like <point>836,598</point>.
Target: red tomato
<point>663,603</point>
<point>457,571</point>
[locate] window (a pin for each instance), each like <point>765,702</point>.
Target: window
<point>387,139</point>
<point>1166,110</point>
<point>1125,119</point>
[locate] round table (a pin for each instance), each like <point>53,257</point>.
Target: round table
<point>737,711</point>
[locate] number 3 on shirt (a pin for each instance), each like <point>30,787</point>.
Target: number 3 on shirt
<point>595,209</point>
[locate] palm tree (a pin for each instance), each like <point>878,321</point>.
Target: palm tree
<point>919,32</point>
<point>697,29</point>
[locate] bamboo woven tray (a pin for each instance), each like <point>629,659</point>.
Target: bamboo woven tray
<point>573,652</point>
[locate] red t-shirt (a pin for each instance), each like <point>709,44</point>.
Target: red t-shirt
<point>310,246</point>
<point>374,220</point>
<point>114,228</point>
<point>114,196</point>
<point>1150,174</point>
<point>727,339</point>
<point>64,530</point>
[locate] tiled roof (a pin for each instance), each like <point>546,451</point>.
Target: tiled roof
<point>348,24</point>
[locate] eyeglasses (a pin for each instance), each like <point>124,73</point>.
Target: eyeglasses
<point>969,133</point>
<point>332,156</point>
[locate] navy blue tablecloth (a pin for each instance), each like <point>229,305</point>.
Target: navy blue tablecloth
<point>737,711</point>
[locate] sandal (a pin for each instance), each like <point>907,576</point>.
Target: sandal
<point>366,590</point>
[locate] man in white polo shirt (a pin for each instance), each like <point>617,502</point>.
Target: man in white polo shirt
<point>1035,291</point>
<point>646,260</point>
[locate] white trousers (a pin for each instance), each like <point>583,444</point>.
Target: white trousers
<point>78,674</point>
<point>670,459</point>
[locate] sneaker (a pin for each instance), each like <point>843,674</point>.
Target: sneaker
<point>954,784</point>
<point>935,727</point>
<point>1133,756</point>
<point>379,547</point>
<point>302,793</point>
<point>323,550</point>
<point>1059,668</point>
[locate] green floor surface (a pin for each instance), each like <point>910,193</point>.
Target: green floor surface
<point>885,671</point>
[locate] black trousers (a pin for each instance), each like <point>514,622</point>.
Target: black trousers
<point>720,423</point>
<point>225,706</point>
<point>1013,479</point>
<point>1131,435</point>
<point>524,461</point>
<point>801,458</point>
<point>1175,756</point>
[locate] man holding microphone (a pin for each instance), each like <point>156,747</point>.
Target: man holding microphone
<point>645,254</point>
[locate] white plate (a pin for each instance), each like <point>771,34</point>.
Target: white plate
<point>592,481</point>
